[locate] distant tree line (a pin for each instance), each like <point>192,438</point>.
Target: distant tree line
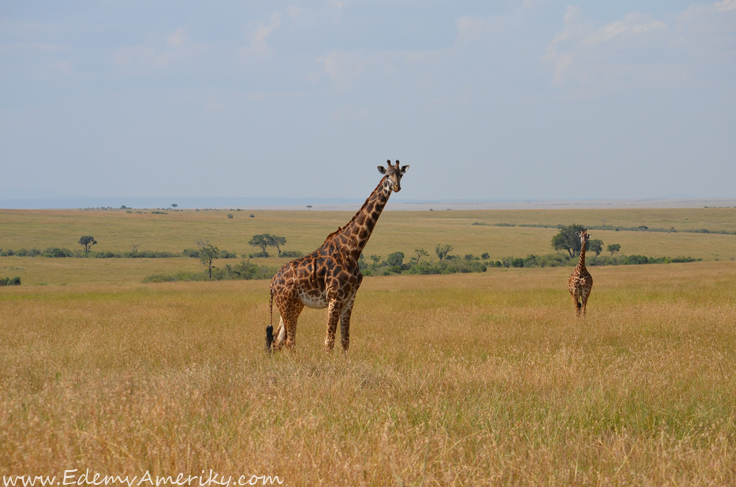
<point>262,241</point>
<point>640,228</point>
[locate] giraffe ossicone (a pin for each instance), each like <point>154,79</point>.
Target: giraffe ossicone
<point>330,276</point>
<point>580,283</point>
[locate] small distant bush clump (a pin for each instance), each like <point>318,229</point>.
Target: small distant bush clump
<point>291,253</point>
<point>57,252</point>
<point>10,281</point>
<point>222,254</point>
<point>244,270</point>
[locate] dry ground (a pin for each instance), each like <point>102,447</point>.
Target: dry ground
<point>482,379</point>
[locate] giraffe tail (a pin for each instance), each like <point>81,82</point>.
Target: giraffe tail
<point>269,328</point>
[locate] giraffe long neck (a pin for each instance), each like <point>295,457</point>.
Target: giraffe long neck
<point>581,263</point>
<point>354,236</point>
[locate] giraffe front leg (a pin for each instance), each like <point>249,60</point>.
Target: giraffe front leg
<point>333,316</point>
<point>345,326</point>
<point>347,312</point>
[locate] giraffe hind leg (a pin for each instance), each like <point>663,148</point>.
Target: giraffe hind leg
<point>585,297</point>
<point>279,337</point>
<point>576,303</point>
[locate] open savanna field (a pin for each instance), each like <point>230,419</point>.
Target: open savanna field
<point>464,379</point>
<point>117,230</point>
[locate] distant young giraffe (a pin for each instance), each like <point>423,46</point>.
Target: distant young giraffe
<point>580,282</point>
<point>330,277</point>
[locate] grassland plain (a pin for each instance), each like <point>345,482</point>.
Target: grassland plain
<point>116,230</point>
<point>477,379</point>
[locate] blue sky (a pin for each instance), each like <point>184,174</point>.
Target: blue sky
<point>506,100</point>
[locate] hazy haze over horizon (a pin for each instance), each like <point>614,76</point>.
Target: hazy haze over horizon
<point>508,100</point>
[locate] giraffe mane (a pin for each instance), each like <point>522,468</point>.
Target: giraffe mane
<point>365,203</point>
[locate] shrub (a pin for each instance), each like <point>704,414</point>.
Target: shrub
<point>191,253</point>
<point>636,259</point>
<point>230,216</point>
<point>395,260</point>
<point>106,255</point>
<point>296,253</point>
<point>10,281</point>
<point>57,252</point>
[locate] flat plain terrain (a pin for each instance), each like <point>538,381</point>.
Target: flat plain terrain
<point>116,230</point>
<point>473,379</point>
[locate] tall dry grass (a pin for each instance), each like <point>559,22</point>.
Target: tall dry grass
<point>483,379</point>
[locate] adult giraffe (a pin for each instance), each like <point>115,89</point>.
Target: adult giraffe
<point>329,277</point>
<point>580,282</point>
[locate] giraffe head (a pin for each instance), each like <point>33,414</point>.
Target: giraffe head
<point>393,175</point>
<point>584,238</point>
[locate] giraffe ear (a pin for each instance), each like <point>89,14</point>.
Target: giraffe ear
<point>382,169</point>
<point>404,169</point>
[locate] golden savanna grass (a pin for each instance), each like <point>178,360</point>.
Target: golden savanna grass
<point>481,379</point>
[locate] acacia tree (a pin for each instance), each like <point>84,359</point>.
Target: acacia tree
<point>276,241</point>
<point>207,254</point>
<point>87,242</point>
<point>568,239</point>
<point>265,240</point>
<point>595,246</point>
<point>613,248</point>
<point>443,250</point>
<point>420,253</point>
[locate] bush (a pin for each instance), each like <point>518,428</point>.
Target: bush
<point>57,252</point>
<point>10,281</point>
<point>106,255</point>
<point>244,270</point>
<point>636,259</point>
<point>395,260</point>
<point>295,253</point>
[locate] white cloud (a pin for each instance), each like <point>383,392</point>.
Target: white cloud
<point>156,54</point>
<point>258,36</point>
<point>178,38</point>
<point>62,67</point>
<point>344,68</point>
<point>586,54</point>
<point>631,26</point>
<point>725,5</point>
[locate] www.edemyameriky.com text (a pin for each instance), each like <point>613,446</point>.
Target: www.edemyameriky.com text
<point>74,477</point>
